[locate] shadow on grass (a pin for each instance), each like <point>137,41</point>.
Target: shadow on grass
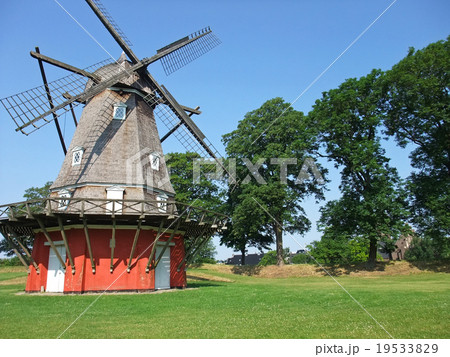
<point>337,270</point>
<point>202,284</point>
<point>437,267</point>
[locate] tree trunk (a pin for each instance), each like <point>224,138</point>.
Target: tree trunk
<point>279,244</point>
<point>243,256</point>
<point>372,252</point>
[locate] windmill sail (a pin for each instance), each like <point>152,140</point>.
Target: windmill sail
<point>110,19</point>
<point>26,106</point>
<point>192,47</point>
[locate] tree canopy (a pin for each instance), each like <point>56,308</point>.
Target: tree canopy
<point>372,206</point>
<point>269,148</point>
<point>417,105</point>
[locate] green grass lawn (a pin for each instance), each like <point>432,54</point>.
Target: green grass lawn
<point>408,306</point>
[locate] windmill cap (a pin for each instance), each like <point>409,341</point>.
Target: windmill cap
<point>122,58</point>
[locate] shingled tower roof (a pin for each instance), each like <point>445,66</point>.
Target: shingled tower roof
<point>116,144</point>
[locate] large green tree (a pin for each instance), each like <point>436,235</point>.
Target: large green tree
<point>268,150</point>
<point>372,206</point>
<point>417,105</point>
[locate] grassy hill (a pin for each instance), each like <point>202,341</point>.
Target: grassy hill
<point>227,302</point>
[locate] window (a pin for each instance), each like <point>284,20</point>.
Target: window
<point>162,203</point>
<point>120,111</point>
<point>77,155</point>
<point>114,194</point>
<point>63,203</point>
<point>154,161</point>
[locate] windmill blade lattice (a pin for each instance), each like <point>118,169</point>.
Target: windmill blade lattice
<point>112,22</point>
<point>192,144</point>
<point>24,107</point>
<point>197,44</point>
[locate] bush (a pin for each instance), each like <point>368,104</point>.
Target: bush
<point>206,261</point>
<point>302,259</point>
<point>270,258</point>
<point>10,262</point>
<point>340,250</point>
<point>421,250</point>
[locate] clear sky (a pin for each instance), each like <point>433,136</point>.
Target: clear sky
<point>269,48</point>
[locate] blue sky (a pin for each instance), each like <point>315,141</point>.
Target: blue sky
<point>270,48</point>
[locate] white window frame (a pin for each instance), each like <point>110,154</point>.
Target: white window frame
<point>114,193</point>
<point>63,204</point>
<point>77,152</point>
<point>161,202</point>
<point>120,111</point>
<point>155,161</point>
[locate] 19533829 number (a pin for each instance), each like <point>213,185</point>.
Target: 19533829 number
<point>401,348</point>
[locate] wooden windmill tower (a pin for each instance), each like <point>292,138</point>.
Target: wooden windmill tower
<point>111,221</point>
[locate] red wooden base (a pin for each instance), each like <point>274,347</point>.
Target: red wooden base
<point>84,279</point>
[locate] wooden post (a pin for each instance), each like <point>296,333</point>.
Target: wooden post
<point>66,244</point>
<point>152,252</point>
<point>112,243</point>
<point>50,101</point>
<point>88,243</point>
<point>136,236</point>
<point>52,245</point>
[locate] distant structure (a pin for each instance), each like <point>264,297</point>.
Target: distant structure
<point>250,259</point>
<point>111,221</point>
<point>401,246</point>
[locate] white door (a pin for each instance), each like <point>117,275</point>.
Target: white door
<point>162,271</point>
<point>55,274</point>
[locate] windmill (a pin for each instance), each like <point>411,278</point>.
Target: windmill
<point>112,203</point>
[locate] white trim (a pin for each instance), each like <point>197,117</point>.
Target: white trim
<point>171,244</point>
<point>111,184</point>
<point>77,155</point>
<point>130,227</point>
<point>64,203</point>
<point>155,160</point>
<point>119,106</point>
<point>161,203</point>
<point>55,242</point>
<point>114,193</point>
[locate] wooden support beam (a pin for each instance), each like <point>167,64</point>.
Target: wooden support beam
<point>25,249</point>
<point>48,208</point>
<point>166,245</point>
<point>191,110</point>
<point>16,251</point>
<point>136,236</point>
<point>68,67</point>
<point>192,256</point>
<point>73,115</point>
<point>171,131</point>
<point>50,101</point>
<point>152,252</point>
<point>88,243</point>
<point>66,244</point>
<point>112,242</point>
<point>186,254</point>
<point>194,248</point>
<point>52,245</point>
